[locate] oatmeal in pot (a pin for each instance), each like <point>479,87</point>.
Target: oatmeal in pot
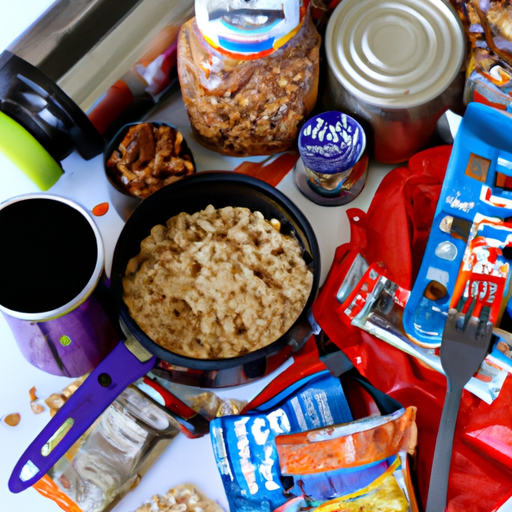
<point>219,283</point>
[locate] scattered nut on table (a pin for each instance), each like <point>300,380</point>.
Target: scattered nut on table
<point>184,498</point>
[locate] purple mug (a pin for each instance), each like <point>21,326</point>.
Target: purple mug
<point>53,293</point>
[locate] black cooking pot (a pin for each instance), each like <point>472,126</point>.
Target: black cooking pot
<point>138,354</point>
<point>191,195</point>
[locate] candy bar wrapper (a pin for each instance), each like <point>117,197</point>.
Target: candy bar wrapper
<point>292,452</point>
<point>375,304</point>
<point>112,456</point>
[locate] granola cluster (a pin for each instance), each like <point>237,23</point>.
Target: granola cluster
<point>183,498</point>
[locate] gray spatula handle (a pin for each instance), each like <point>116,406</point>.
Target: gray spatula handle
<point>438,487</point>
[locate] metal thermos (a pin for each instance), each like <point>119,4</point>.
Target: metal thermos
<point>57,69</point>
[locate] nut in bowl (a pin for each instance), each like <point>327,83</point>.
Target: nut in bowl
<point>141,159</point>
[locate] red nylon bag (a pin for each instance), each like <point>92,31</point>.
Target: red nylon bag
<point>394,232</point>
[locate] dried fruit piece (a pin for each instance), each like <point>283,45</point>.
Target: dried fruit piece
<point>100,209</point>
<point>36,407</point>
<point>32,393</point>
<point>65,482</point>
<point>56,400</point>
<point>35,403</point>
<point>12,420</point>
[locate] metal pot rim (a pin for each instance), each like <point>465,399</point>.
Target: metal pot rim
<point>95,276</point>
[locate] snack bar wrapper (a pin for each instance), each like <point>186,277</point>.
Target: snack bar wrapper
<point>302,448</point>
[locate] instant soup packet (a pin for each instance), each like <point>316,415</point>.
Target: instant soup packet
<point>312,441</point>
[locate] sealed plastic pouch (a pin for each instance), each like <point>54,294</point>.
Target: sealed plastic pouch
<point>302,449</point>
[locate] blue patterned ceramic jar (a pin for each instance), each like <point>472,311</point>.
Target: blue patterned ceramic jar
<point>330,145</point>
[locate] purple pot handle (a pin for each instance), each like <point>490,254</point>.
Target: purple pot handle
<point>115,373</point>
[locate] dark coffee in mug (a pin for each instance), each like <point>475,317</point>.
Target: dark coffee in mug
<point>48,254</point>
<point>53,293</point>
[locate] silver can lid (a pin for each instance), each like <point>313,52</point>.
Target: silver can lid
<point>395,53</point>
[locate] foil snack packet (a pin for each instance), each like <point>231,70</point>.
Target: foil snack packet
<point>376,304</point>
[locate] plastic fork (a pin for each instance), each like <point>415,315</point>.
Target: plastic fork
<point>465,344</point>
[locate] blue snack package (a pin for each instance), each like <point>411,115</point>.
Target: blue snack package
<point>244,445</point>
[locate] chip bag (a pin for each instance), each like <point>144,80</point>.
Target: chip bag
<point>313,441</point>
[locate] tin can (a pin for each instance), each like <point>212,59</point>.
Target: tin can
<point>396,67</point>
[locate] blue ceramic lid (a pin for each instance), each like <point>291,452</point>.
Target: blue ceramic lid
<point>331,142</point>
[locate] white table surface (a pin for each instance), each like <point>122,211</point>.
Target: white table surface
<point>184,460</point>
